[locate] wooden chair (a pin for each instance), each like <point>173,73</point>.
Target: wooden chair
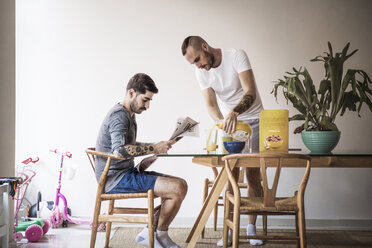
<point>115,214</point>
<point>268,204</point>
<point>209,184</point>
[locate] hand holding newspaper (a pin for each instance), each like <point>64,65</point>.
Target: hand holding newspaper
<point>185,127</point>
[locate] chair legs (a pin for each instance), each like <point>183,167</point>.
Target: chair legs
<point>93,236</point>
<point>297,231</point>
<point>215,215</point>
<point>151,217</point>
<point>225,227</point>
<point>302,227</point>
<point>108,224</point>
<point>264,224</point>
<point>236,219</point>
<point>205,194</point>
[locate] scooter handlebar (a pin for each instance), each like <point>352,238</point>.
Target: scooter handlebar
<point>67,154</point>
<point>30,160</point>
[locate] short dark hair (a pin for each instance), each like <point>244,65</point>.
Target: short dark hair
<point>141,82</point>
<point>194,41</point>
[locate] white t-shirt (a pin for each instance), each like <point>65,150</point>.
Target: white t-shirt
<point>224,80</point>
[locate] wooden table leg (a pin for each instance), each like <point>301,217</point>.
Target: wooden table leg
<point>207,208</point>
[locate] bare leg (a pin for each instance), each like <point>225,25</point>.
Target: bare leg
<point>172,191</point>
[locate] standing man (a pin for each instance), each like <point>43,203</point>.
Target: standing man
<point>226,79</point>
<point>118,135</point>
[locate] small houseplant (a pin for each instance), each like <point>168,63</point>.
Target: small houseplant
<point>337,93</point>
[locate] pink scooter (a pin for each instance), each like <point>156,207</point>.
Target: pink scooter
<point>56,217</point>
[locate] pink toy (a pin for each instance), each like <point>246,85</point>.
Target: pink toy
<point>56,218</point>
<point>35,229</point>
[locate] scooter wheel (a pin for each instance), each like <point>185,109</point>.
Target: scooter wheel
<point>64,223</point>
<point>46,226</point>
<point>34,233</point>
<point>17,236</point>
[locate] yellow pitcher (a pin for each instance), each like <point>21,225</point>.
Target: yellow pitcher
<point>243,132</point>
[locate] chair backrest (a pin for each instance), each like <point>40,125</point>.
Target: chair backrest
<point>92,154</point>
<point>265,160</point>
<point>91,157</point>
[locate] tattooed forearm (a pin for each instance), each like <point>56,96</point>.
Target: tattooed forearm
<point>136,150</point>
<point>244,104</point>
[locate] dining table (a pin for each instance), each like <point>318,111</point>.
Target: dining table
<point>336,159</point>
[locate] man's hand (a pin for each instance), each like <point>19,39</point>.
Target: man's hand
<point>229,122</point>
<point>162,147</point>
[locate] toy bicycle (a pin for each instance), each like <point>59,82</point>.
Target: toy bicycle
<point>36,228</point>
<point>56,217</point>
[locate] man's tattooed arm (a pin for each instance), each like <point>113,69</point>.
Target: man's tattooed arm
<point>135,150</point>
<point>244,104</point>
<point>143,144</point>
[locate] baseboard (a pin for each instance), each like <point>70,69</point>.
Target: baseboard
<point>275,222</point>
<point>283,223</point>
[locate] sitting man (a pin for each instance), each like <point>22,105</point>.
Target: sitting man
<point>118,135</point>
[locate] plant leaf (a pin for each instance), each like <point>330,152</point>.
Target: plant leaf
<point>330,49</point>
<point>297,117</point>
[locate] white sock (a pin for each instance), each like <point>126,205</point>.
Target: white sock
<point>229,239</point>
<point>165,240</point>
<point>251,231</point>
<point>143,239</point>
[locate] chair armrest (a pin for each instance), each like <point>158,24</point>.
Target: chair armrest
<point>103,154</point>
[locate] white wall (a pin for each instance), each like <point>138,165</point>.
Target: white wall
<point>75,57</point>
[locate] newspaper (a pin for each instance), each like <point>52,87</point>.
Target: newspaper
<point>185,127</point>
<point>146,162</point>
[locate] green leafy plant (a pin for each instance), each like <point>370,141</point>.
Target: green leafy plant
<point>336,93</point>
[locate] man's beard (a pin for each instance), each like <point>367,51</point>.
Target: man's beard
<point>134,107</point>
<point>210,60</point>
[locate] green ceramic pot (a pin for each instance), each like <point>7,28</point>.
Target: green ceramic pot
<point>320,142</point>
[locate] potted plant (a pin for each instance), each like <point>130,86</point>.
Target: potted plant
<point>318,109</point>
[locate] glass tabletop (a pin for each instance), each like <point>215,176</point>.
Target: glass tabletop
<point>294,151</point>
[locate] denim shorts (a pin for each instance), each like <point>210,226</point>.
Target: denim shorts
<point>136,182</point>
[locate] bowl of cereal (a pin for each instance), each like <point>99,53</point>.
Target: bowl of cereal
<point>273,141</point>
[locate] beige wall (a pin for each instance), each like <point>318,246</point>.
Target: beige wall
<point>7,93</point>
<point>75,57</point>
<point>7,87</point>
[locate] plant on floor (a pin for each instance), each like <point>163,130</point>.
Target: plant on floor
<point>336,94</point>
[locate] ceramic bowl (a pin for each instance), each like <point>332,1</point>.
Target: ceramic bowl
<point>234,146</point>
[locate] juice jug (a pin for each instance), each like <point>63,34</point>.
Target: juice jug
<point>243,132</point>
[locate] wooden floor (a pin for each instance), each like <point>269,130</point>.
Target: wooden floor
<point>125,237</point>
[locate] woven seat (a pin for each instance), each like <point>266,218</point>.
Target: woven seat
<point>118,214</point>
<point>268,204</point>
<point>254,203</point>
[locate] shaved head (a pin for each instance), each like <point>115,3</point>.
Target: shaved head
<point>193,41</point>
